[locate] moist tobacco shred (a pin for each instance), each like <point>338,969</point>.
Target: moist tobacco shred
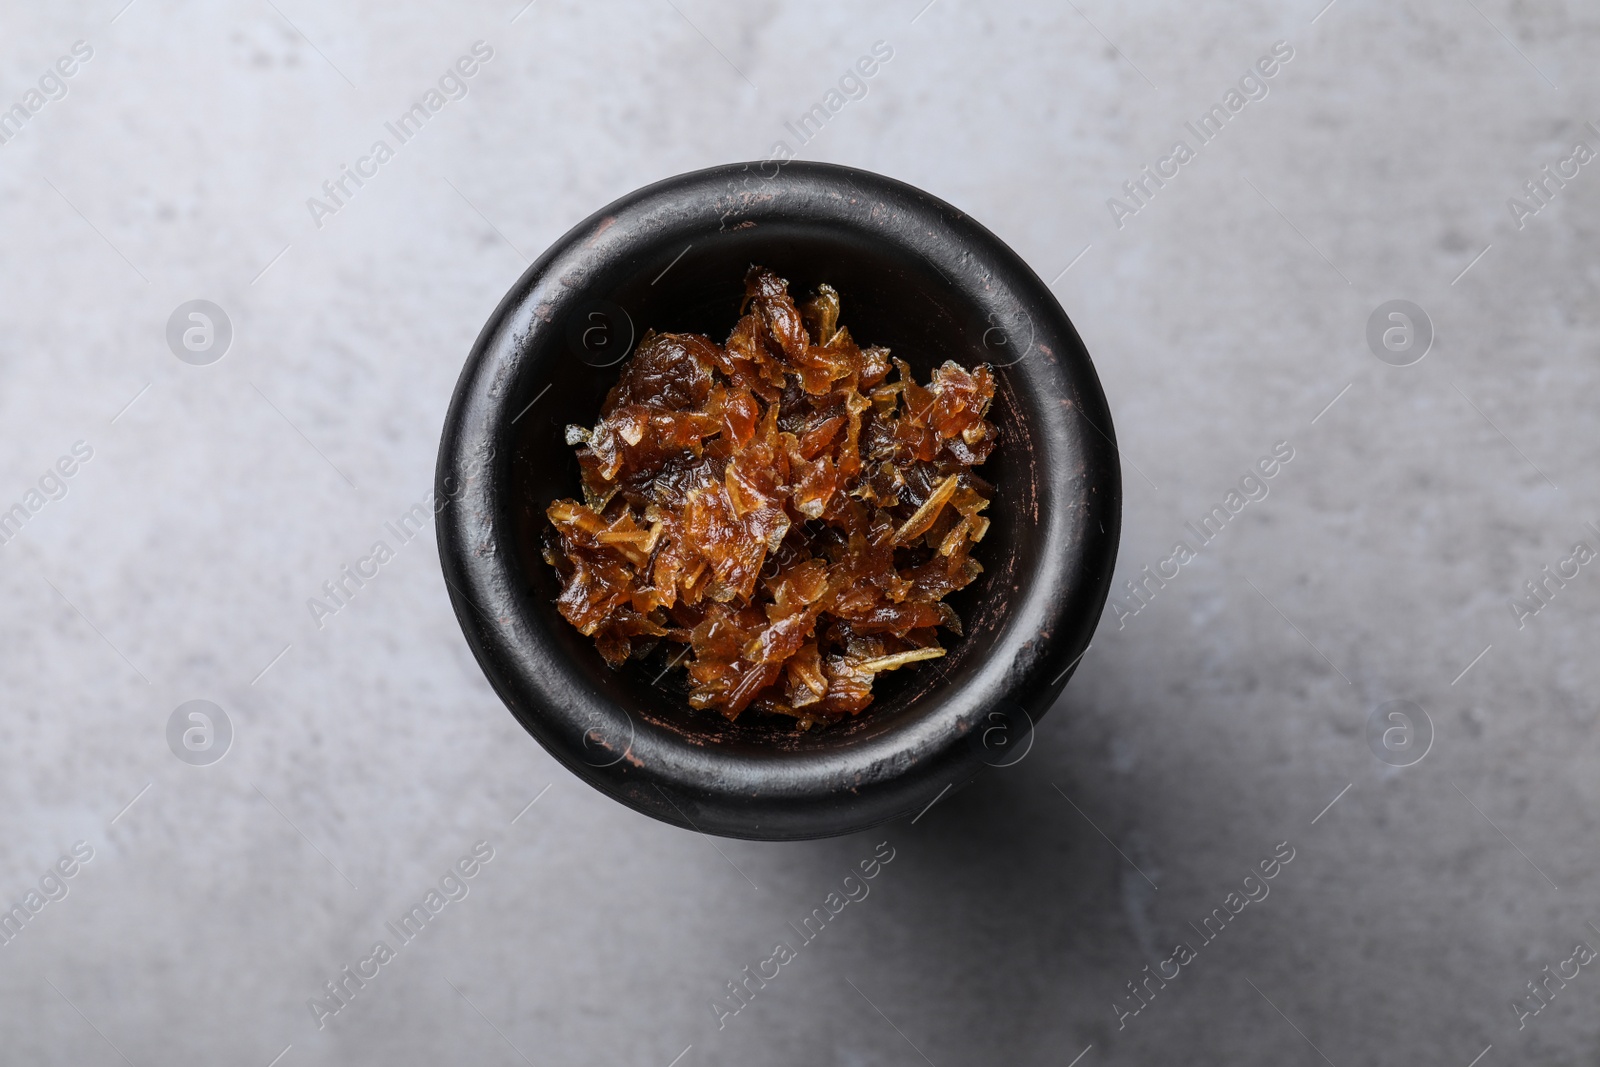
<point>778,507</point>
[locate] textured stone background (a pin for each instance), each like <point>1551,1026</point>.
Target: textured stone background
<point>1224,317</point>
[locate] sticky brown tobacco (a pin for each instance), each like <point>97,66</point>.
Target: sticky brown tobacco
<point>776,506</point>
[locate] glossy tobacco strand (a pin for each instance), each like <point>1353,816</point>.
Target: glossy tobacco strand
<point>778,506</point>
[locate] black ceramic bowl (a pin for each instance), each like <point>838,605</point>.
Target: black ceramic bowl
<point>915,274</point>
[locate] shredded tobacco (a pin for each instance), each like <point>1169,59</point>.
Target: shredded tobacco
<point>777,507</point>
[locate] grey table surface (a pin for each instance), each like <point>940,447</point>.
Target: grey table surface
<point>1227,309</point>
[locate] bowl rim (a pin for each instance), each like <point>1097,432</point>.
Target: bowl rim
<point>801,794</point>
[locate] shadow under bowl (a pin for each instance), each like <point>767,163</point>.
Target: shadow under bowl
<point>914,274</point>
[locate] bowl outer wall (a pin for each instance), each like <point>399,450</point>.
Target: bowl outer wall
<point>1051,611</point>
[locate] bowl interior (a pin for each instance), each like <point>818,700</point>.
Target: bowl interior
<point>891,296</point>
